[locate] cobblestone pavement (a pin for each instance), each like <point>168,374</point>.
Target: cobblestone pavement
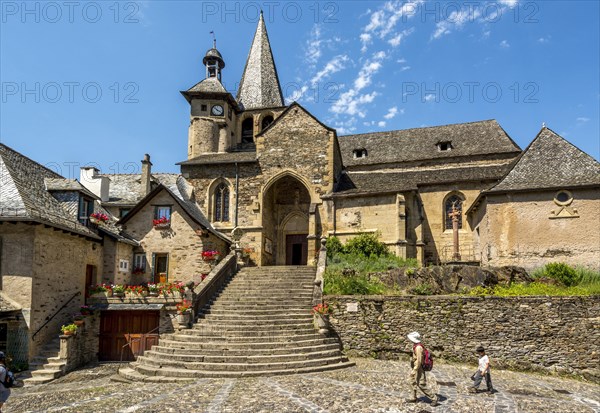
<point>371,386</point>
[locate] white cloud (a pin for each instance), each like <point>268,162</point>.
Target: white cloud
<point>401,61</point>
<point>405,68</point>
<point>545,39</point>
<point>313,46</point>
<point>381,124</point>
<point>392,112</point>
<point>509,3</point>
<point>583,119</point>
<point>455,21</point>
<point>383,22</point>
<point>396,40</point>
<point>333,66</point>
<point>429,97</point>
<point>504,44</point>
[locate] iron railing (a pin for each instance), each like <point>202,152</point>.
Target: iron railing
<point>49,318</point>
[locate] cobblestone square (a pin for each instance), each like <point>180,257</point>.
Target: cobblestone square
<point>371,386</point>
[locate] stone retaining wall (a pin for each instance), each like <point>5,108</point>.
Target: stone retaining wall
<point>556,334</point>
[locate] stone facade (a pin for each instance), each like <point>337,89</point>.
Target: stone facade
<point>183,242</point>
<point>554,334</point>
<point>42,278</point>
<point>532,229</point>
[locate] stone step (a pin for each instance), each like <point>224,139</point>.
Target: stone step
<point>34,381</point>
<point>296,336</point>
<point>263,319</point>
<point>183,369</point>
<point>265,302</point>
<point>204,345</point>
<point>243,350</point>
<point>47,373</point>
<point>232,334</point>
<point>260,291</point>
<point>158,375</point>
<point>251,311</point>
<point>56,365</point>
<point>264,326</point>
<point>238,359</point>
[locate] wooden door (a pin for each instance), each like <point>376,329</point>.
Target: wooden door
<point>296,249</point>
<point>162,268</point>
<point>127,334</point>
<point>90,278</point>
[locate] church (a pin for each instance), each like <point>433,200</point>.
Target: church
<point>286,179</point>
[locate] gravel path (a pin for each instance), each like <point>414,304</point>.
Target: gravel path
<point>371,386</point>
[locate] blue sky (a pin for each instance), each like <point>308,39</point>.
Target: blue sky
<point>98,82</point>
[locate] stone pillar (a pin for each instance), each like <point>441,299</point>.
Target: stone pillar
<point>223,138</point>
<point>312,234</point>
<point>401,226</point>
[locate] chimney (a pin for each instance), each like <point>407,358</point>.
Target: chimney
<point>89,176</point>
<point>146,175</point>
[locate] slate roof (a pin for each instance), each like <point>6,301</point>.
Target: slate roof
<point>23,194</point>
<point>7,304</point>
<point>467,139</point>
<point>126,189</point>
<point>221,158</point>
<point>259,87</point>
<point>550,162</point>
<point>208,85</point>
<point>62,184</point>
<point>355,183</point>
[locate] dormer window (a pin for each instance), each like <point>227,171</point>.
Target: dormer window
<point>444,146</point>
<point>359,153</point>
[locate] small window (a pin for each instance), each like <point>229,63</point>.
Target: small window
<point>359,153</point>
<point>162,212</point>
<point>229,114</point>
<point>248,130</point>
<point>444,146</point>
<point>563,198</point>
<point>267,121</point>
<point>86,208</point>
<point>139,263</point>
<point>457,202</point>
<point>203,108</point>
<point>123,265</point>
<point>123,212</point>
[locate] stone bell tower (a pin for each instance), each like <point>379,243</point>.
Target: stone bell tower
<point>213,110</point>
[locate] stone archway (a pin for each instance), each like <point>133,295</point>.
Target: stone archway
<point>285,222</point>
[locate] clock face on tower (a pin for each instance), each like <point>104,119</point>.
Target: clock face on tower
<point>217,110</point>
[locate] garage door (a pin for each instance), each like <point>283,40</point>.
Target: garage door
<point>126,334</point>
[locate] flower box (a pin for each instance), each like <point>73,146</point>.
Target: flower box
<point>161,223</point>
<point>99,218</point>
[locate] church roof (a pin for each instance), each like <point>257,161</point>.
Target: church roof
<point>358,183</point>
<point>259,87</point>
<point>219,158</point>
<point>24,195</point>
<point>208,85</point>
<point>550,162</point>
<point>466,139</point>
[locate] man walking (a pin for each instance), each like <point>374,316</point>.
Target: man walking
<point>417,375</point>
<point>482,371</point>
<point>4,392</point>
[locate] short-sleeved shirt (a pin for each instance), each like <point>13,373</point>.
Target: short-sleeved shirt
<point>484,364</point>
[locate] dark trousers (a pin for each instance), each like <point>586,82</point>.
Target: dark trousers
<point>477,377</point>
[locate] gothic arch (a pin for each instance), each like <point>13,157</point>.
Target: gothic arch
<point>314,198</point>
<point>266,119</point>
<point>454,197</point>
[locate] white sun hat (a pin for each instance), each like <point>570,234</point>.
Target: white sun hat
<point>414,337</point>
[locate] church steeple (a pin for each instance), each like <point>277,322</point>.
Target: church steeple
<point>259,87</point>
<point>213,61</point>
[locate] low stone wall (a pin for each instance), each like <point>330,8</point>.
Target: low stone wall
<point>79,349</point>
<point>555,334</point>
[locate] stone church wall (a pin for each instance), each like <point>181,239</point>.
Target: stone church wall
<point>518,332</point>
<point>522,229</point>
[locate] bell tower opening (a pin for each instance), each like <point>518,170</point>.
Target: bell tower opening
<point>248,131</point>
<point>213,61</point>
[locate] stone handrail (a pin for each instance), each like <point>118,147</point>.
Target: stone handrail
<point>217,278</point>
<point>321,266</point>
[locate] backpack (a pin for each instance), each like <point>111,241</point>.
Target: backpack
<point>9,380</point>
<point>427,364</point>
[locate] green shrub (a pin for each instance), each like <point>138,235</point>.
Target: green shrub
<point>561,272</point>
<point>423,289</point>
<point>366,244</point>
<point>587,277</point>
<point>339,284</point>
<point>334,246</point>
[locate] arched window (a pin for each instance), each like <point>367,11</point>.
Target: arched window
<point>221,203</point>
<point>457,202</point>
<point>248,131</point>
<point>267,120</point>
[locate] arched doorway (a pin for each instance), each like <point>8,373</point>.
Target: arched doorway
<point>285,213</point>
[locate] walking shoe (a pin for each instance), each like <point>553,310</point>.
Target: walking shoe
<point>434,403</point>
<point>410,400</point>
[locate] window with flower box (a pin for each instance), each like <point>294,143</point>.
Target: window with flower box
<point>162,216</point>
<point>139,263</point>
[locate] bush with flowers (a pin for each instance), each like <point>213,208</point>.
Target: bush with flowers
<point>100,217</point>
<point>161,222</point>
<point>321,309</point>
<point>210,255</point>
<point>118,289</point>
<point>100,288</point>
<point>134,289</point>
<point>184,306</point>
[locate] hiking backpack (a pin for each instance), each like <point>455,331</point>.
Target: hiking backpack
<point>9,380</point>
<point>427,364</point>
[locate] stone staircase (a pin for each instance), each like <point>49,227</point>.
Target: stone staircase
<point>47,366</point>
<point>260,324</point>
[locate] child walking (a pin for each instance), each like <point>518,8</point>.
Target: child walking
<point>482,371</point>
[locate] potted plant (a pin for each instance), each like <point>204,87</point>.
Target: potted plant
<point>86,310</point>
<point>184,313</point>
<point>99,218</point>
<point>162,222</point>
<point>321,315</point>
<point>134,290</point>
<point>118,290</point>
<point>101,289</point>
<point>210,255</point>
<point>153,290</point>
<point>138,271</point>
<point>69,329</point>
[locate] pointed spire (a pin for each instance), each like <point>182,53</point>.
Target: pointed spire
<point>259,87</point>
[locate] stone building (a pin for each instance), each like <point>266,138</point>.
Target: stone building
<point>286,179</point>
